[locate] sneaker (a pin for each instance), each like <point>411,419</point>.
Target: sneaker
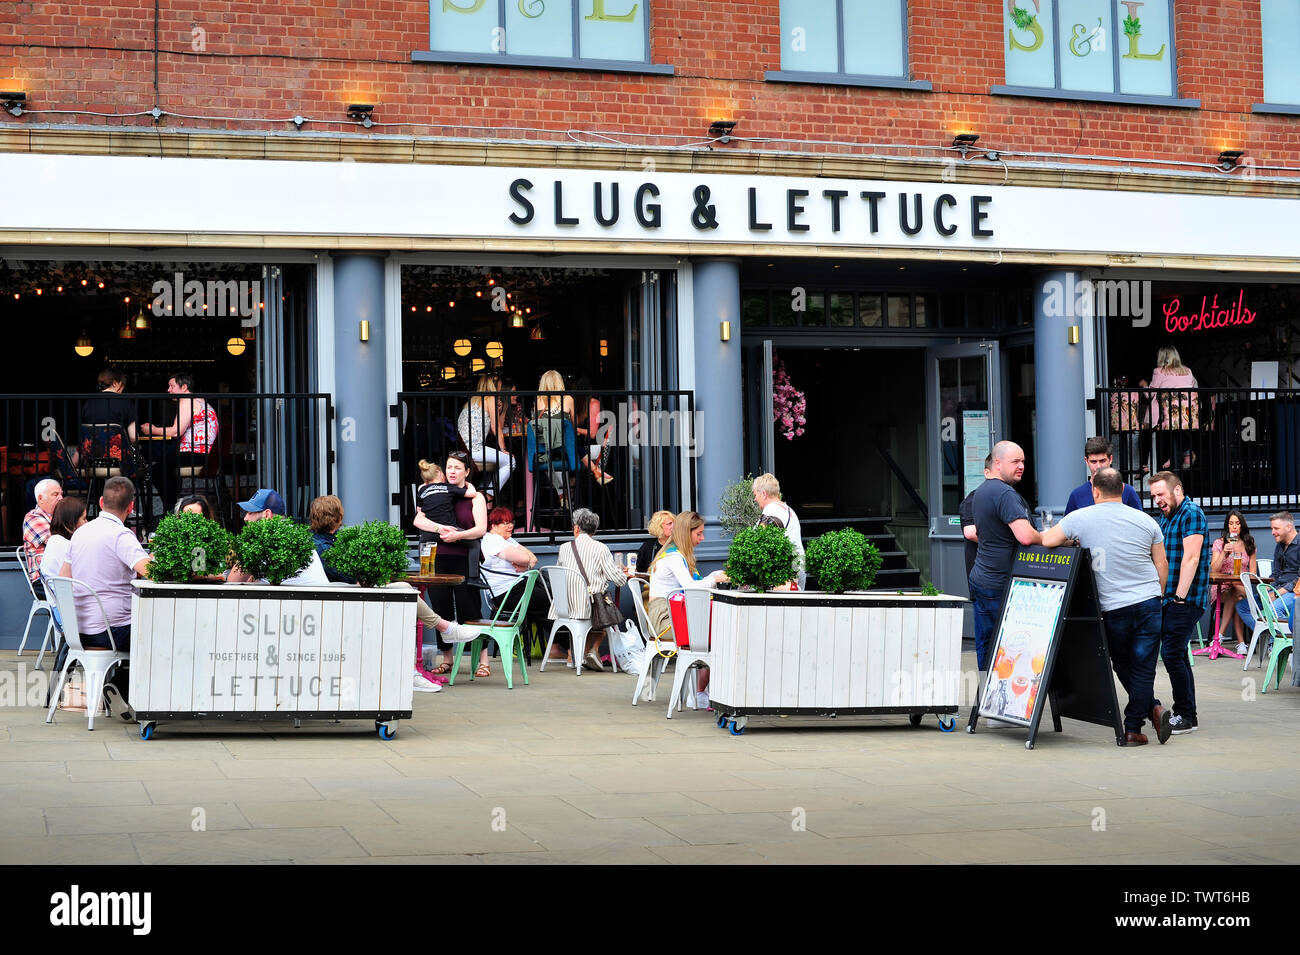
<point>1242,648</point>
<point>113,703</point>
<point>458,633</point>
<point>593,661</point>
<point>420,685</point>
<point>1180,725</point>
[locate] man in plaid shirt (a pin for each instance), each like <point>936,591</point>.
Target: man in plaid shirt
<point>1187,591</point>
<point>36,529</point>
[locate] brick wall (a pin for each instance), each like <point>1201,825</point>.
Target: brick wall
<point>245,58</point>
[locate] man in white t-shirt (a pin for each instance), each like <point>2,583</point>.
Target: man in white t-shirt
<point>267,503</point>
<point>1130,567</point>
<point>767,492</point>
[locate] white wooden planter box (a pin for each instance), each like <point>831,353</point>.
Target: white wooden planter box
<point>256,652</point>
<point>835,654</point>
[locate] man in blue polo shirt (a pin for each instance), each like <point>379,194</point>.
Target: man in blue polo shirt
<point>1187,591</point>
<point>1097,455</point>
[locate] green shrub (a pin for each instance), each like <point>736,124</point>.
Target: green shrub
<point>737,508</point>
<point>930,590</point>
<point>274,548</point>
<point>761,557</point>
<point>373,554</point>
<point>843,560</point>
<point>186,546</point>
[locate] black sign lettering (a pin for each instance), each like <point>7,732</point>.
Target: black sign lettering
<point>754,224</point>
<point>978,214</point>
<point>873,198</point>
<point>903,223</point>
<point>560,218</point>
<point>794,209</point>
<point>939,224</point>
<point>600,204</point>
<point>649,214</point>
<point>834,195</point>
<point>517,189</point>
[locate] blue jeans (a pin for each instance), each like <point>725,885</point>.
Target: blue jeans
<point>1133,634</point>
<point>988,607</point>
<point>1283,608</point>
<point>1175,634</point>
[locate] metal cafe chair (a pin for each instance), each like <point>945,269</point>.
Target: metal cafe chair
<point>38,606</point>
<point>96,663</point>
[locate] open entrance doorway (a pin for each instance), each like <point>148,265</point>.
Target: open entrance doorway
<point>861,460</point>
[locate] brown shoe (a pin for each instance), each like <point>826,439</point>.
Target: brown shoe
<point>1160,723</point>
<point>1135,739</point>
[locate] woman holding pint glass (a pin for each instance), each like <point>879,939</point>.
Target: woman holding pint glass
<point>1234,552</point>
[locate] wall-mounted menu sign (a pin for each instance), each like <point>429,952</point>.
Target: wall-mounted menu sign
<point>1209,314</point>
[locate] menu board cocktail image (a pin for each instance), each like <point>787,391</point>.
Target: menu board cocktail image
<point>1029,622</point>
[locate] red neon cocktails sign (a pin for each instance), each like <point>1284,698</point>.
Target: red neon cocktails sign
<point>1212,315</point>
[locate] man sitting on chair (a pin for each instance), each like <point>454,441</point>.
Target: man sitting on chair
<point>106,557</point>
<point>1286,570</point>
<point>36,530</point>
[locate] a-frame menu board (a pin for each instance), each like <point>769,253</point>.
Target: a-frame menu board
<point>1050,645</point>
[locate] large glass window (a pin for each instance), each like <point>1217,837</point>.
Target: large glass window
<point>1280,25</point>
<point>845,41</point>
<point>1115,50</point>
<point>595,34</point>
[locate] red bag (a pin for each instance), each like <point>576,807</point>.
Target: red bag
<point>677,611</point>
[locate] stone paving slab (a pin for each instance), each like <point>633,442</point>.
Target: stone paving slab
<point>565,771</point>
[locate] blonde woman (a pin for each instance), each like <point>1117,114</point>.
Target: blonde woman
<point>767,495</point>
<point>661,532</point>
<point>1179,411</point>
<point>553,408</point>
<point>675,570</point>
<point>484,415</point>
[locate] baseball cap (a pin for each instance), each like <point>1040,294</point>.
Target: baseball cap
<point>264,500</point>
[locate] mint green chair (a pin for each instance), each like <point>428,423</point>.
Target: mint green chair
<point>503,629</point>
<point>1281,644</point>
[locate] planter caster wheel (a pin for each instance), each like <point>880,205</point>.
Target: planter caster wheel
<point>737,727</point>
<point>721,722</point>
<point>146,731</point>
<point>949,725</point>
<point>914,719</point>
<point>1029,744</point>
<point>386,731</point>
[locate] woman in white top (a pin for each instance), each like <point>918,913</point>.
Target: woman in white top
<point>69,514</point>
<point>767,492</point>
<point>673,569</point>
<point>481,416</point>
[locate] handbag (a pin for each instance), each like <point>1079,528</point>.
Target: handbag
<point>605,614</point>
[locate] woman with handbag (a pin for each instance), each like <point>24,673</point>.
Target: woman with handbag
<point>595,565</point>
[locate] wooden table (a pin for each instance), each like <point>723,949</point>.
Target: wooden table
<point>423,582</point>
<point>1216,648</point>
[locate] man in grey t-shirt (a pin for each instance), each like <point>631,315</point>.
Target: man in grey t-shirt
<point>1130,568</point>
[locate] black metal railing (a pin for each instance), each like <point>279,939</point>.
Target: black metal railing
<point>261,440</point>
<point>1230,447</point>
<point>622,454</point>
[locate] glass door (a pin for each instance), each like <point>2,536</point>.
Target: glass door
<point>760,425</point>
<point>965,415</point>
